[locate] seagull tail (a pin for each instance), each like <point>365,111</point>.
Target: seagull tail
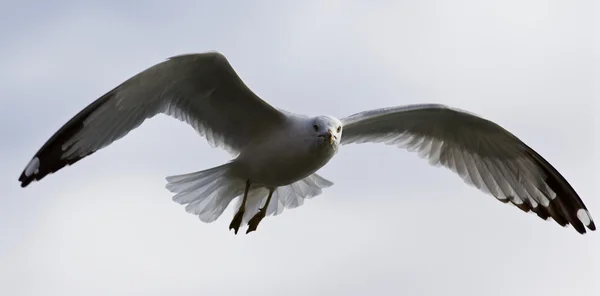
<point>285,197</point>
<point>206,193</point>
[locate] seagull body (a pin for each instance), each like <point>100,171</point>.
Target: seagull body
<point>276,154</point>
<point>271,162</point>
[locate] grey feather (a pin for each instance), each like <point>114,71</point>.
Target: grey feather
<point>480,151</point>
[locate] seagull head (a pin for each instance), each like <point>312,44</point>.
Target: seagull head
<point>328,130</point>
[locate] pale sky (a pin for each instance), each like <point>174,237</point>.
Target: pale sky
<point>391,224</point>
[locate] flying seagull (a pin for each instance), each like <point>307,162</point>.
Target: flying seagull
<point>276,153</point>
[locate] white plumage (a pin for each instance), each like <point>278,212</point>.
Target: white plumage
<point>277,153</point>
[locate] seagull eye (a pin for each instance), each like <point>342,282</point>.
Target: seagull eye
<point>316,127</point>
<point>339,129</point>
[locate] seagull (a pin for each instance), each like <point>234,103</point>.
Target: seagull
<point>276,154</point>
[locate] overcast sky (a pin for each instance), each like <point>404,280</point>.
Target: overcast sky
<point>391,224</point>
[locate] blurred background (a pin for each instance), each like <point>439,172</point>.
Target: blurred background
<point>390,225</point>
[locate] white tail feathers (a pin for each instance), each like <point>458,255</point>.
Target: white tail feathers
<point>208,193</point>
<point>284,197</point>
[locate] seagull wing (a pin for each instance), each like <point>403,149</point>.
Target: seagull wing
<point>202,90</point>
<point>483,153</point>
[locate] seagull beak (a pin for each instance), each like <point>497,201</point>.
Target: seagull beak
<point>331,137</point>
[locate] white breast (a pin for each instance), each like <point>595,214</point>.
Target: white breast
<point>283,158</point>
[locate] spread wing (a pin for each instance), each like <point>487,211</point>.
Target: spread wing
<point>483,153</point>
<point>202,90</point>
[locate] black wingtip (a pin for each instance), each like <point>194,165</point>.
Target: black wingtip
<point>49,158</point>
<point>566,206</point>
<point>50,161</point>
<point>25,182</point>
<point>29,172</point>
<point>579,227</point>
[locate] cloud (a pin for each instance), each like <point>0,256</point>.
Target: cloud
<point>390,224</point>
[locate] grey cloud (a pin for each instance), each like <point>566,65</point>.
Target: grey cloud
<point>390,225</point>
